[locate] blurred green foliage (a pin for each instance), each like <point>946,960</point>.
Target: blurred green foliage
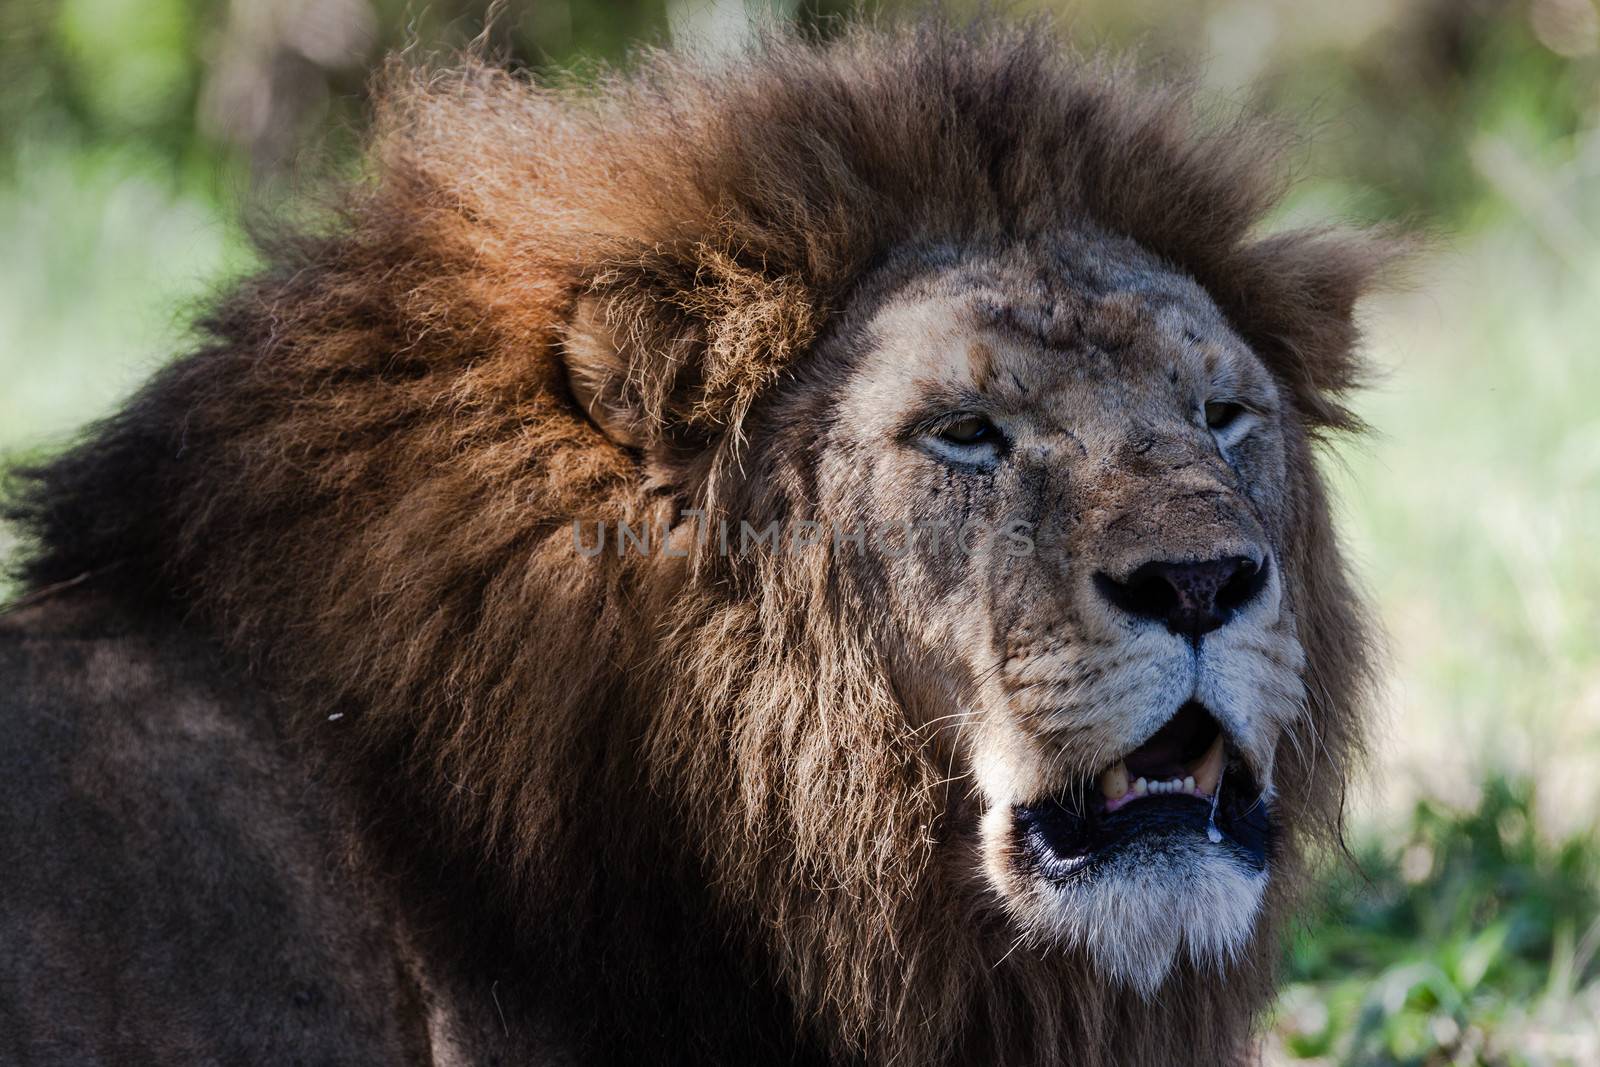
<point>230,83</point>
<point>210,104</point>
<point>1442,947</point>
<point>137,130</point>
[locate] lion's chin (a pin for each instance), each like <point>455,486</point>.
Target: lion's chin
<point>1135,908</point>
<point>1151,901</point>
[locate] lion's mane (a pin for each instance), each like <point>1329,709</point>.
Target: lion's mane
<point>363,483</point>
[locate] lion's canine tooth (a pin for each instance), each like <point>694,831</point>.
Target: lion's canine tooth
<point>1208,771</point>
<point>1188,785</point>
<point>1114,781</point>
<point>1141,787</point>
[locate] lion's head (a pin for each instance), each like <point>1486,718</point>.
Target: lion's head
<point>976,652</point>
<point>1116,669</point>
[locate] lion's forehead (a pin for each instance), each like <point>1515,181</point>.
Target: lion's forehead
<point>1056,346</point>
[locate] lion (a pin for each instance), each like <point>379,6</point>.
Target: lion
<point>810,556</point>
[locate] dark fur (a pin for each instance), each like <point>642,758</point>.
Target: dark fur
<point>603,782</point>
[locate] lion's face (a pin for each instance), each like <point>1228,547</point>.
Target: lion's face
<point>1089,614</point>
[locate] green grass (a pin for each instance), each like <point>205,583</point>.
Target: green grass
<point>1469,938</point>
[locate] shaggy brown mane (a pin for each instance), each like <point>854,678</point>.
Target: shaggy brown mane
<point>363,482</point>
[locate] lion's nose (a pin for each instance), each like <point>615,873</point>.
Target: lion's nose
<point>1192,599</point>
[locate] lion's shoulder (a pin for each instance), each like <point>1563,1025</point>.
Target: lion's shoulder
<point>167,864</point>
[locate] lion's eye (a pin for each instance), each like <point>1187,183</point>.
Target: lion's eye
<point>968,440</point>
<point>1220,414</point>
<point>971,430</point>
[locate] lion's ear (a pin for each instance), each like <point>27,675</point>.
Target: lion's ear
<point>1293,296</point>
<point>664,350</point>
<point>598,373</point>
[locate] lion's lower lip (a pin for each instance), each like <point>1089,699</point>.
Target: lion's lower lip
<point>1060,843</point>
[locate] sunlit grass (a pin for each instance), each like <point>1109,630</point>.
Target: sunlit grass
<point>105,254</point>
<point>1473,512</point>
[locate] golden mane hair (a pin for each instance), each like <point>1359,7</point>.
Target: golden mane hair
<point>692,783</point>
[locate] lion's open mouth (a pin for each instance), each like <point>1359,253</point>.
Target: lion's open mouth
<point>1186,779</point>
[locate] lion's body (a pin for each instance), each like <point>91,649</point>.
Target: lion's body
<point>531,803</point>
<point>158,833</point>
<point>179,888</point>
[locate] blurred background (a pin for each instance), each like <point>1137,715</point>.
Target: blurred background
<point>1463,927</point>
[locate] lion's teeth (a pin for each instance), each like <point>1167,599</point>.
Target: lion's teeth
<point>1114,781</point>
<point>1115,787</point>
<point>1208,772</point>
